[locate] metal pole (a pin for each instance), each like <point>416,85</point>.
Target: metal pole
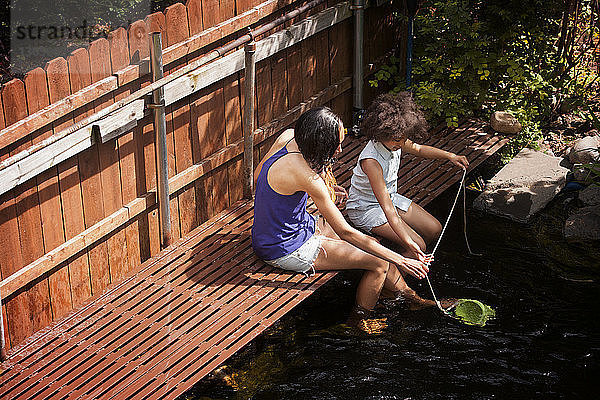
<point>358,7</point>
<point>2,341</point>
<point>411,7</point>
<point>250,78</point>
<point>160,131</point>
<point>409,46</point>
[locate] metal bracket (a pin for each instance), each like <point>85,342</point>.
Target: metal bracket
<point>155,106</point>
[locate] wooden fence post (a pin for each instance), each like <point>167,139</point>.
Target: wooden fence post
<point>160,131</point>
<point>250,78</point>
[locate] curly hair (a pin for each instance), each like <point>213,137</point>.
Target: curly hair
<point>394,116</point>
<point>317,134</point>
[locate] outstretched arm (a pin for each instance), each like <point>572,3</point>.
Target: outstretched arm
<point>434,153</point>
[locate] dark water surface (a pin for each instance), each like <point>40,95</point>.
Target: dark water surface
<point>544,342</point>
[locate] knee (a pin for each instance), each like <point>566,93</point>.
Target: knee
<point>435,230</point>
<point>381,267</point>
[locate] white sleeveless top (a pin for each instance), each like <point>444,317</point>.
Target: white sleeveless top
<point>361,196</point>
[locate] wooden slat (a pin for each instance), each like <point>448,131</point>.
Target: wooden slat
<point>139,47</point>
<point>18,309</point>
<point>131,165</point>
<point>49,198</point>
<point>68,175</point>
<point>179,120</point>
<point>194,12</point>
<point>36,301</point>
<point>233,133</point>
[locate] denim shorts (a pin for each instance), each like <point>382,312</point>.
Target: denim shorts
<point>302,259</point>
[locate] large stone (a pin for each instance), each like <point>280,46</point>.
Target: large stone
<point>584,150</point>
<point>524,186</point>
<point>584,224</point>
<point>590,196</point>
<point>505,122</point>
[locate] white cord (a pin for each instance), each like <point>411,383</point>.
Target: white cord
<point>462,182</point>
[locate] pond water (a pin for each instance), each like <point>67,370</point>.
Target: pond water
<point>544,342</point>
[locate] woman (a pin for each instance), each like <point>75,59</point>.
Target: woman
<point>286,236</point>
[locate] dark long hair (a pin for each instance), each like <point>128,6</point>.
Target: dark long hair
<point>317,134</point>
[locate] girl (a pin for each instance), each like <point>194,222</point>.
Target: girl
<point>286,236</point>
<point>392,123</point>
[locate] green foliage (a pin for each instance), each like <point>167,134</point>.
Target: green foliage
<point>475,57</point>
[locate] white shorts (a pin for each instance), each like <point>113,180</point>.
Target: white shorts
<point>373,216</point>
<point>302,259</point>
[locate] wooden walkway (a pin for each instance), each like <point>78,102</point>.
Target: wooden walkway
<point>197,302</point>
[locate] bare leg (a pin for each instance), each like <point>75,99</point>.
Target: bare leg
<point>337,254</point>
<point>425,224</point>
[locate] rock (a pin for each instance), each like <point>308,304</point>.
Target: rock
<point>590,196</point>
<point>583,224</point>
<point>585,150</point>
<point>524,186</point>
<point>504,122</point>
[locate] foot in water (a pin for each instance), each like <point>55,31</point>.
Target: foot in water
<point>414,301</point>
<point>362,319</point>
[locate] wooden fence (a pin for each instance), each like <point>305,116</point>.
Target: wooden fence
<point>92,219</point>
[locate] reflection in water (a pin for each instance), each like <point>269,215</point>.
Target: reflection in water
<point>543,343</point>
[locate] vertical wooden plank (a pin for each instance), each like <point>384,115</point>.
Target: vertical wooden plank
<point>57,73</point>
<point>210,13</point>
<point>129,154</point>
<point>139,47</point>
<point>340,58</point>
<point>294,75</point>
<point>157,23</point>
<point>322,58</point>
<point>18,312</point>
<point>264,96</point>
<point>194,13</point>
<point>89,172</point>
<point>179,120</point>
<point>309,67</point>
<point>226,9</point>
<point>233,133</point>
<point>279,85</point>
<point>208,120</point>
<point>27,212</point>
<point>49,198</point>
<point>3,236</point>
<point>108,154</point>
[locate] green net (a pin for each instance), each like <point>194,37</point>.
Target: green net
<point>472,312</point>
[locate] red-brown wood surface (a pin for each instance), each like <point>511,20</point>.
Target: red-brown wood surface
<point>19,309</point>
<point>233,132</point>
<point>187,310</point>
<point>36,88</point>
<point>179,121</point>
<point>89,173</point>
<point>57,72</point>
<point>194,12</point>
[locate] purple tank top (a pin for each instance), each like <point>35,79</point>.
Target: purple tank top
<point>281,222</point>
